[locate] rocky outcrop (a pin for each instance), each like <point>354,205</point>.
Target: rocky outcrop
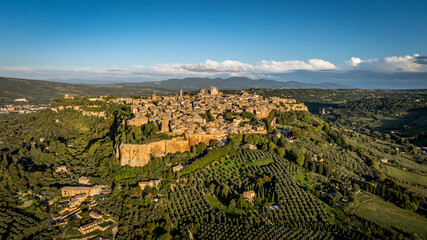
<point>138,155</point>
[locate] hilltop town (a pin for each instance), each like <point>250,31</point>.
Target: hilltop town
<point>206,112</point>
<point>202,117</point>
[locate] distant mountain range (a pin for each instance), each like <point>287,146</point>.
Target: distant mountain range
<point>37,91</point>
<point>191,84</point>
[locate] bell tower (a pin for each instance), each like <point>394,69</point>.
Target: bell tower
<point>154,97</point>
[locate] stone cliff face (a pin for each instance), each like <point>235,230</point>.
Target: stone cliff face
<point>294,107</point>
<point>95,114</point>
<point>195,139</point>
<point>132,154</point>
<point>85,113</point>
<point>299,107</point>
<point>138,121</point>
<point>138,155</point>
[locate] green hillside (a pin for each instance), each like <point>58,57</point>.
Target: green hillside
<point>40,92</point>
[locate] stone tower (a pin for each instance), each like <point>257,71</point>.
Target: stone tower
<point>180,93</point>
<point>154,97</point>
<point>214,91</point>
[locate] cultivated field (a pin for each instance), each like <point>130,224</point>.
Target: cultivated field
<point>405,175</point>
<point>388,215</point>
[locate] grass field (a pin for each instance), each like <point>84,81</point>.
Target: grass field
<point>404,175</point>
<point>215,203</point>
<point>386,122</point>
<point>418,189</point>
<point>415,122</point>
<point>389,215</point>
<point>303,179</point>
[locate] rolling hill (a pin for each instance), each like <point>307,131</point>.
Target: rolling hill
<point>191,84</point>
<point>40,92</point>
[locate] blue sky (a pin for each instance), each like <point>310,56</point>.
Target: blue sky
<point>52,39</point>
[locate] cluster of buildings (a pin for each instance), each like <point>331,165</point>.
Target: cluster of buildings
<point>79,194</point>
<point>202,117</point>
<point>98,220</point>
<point>177,168</point>
<point>185,114</point>
<point>21,109</point>
<point>249,195</point>
<point>151,183</point>
<point>86,111</point>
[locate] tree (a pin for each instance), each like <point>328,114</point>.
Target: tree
<point>165,236</point>
<point>229,116</point>
<point>252,139</point>
<point>232,204</point>
<point>320,170</point>
<point>271,147</point>
<point>281,151</point>
<point>312,166</point>
<point>247,115</point>
<point>5,161</point>
<point>212,188</point>
<point>198,149</point>
<point>213,143</point>
<point>328,170</point>
<point>356,187</point>
<point>241,202</point>
<point>208,116</point>
<point>150,129</point>
<point>225,191</point>
<point>300,160</point>
<point>235,140</point>
<point>410,205</point>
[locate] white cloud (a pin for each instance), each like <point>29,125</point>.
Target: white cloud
<point>260,67</point>
<point>211,68</point>
<point>289,66</point>
<point>214,66</point>
<point>406,63</point>
<point>354,61</point>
